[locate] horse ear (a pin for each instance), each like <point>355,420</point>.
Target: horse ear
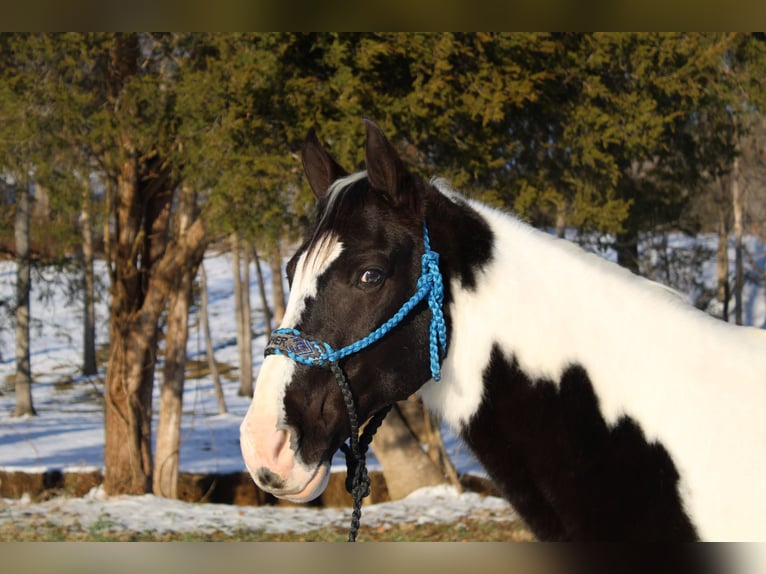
<point>385,170</point>
<point>320,167</point>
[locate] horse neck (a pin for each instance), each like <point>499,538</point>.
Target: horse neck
<point>547,304</point>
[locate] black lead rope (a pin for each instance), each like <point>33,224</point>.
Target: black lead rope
<point>357,477</point>
<point>293,344</point>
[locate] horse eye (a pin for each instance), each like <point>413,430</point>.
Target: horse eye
<point>371,277</point>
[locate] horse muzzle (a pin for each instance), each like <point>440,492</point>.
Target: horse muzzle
<point>274,466</point>
<point>267,445</point>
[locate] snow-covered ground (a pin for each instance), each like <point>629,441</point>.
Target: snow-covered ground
<point>149,513</point>
<point>68,433</point>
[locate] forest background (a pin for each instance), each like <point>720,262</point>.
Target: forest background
<point>147,149</point>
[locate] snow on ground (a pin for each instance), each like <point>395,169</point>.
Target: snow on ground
<point>148,513</point>
<point>68,433</point>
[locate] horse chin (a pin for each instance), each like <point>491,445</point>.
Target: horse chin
<point>313,488</point>
<point>276,469</point>
<point>300,486</point>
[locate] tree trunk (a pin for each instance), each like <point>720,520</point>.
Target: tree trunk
<point>128,398</point>
<point>212,366</point>
<point>89,366</point>
<point>722,255</point>
<point>23,380</point>
<point>406,467</point>
<point>425,426</point>
<point>738,208</point>
<point>277,283</point>
<point>133,337</point>
<point>437,451</point>
<point>235,267</point>
<point>130,371</point>
<point>246,366</point>
<point>138,300</point>
<point>561,219</point>
<point>144,265</point>
<point>168,444</point>
<point>238,315</point>
<point>241,291</point>
<point>627,250</point>
<point>262,292</point>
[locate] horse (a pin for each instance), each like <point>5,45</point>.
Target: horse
<point>602,405</point>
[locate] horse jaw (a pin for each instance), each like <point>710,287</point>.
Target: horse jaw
<point>267,445</point>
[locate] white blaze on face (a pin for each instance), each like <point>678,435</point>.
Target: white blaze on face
<point>310,266</point>
<point>265,440</point>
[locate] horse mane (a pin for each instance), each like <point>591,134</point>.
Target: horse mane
<point>593,260</point>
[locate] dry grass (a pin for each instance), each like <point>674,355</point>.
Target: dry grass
<point>464,530</point>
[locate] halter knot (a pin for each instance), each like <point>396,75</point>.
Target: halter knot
<point>431,281</point>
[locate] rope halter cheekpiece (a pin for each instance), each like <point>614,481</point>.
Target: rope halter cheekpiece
<point>295,345</point>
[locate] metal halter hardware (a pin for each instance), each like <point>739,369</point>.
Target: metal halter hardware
<point>295,345</point>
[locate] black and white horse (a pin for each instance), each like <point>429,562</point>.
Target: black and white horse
<point>603,406</point>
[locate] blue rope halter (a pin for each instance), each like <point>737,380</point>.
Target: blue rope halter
<point>293,344</point>
<point>301,349</point>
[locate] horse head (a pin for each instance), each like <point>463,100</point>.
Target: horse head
<point>361,262</point>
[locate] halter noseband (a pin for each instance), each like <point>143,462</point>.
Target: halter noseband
<point>295,345</point>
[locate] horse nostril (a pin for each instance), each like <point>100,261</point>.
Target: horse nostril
<point>269,479</point>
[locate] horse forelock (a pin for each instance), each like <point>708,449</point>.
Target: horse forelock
<point>333,202</point>
<point>323,247</point>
